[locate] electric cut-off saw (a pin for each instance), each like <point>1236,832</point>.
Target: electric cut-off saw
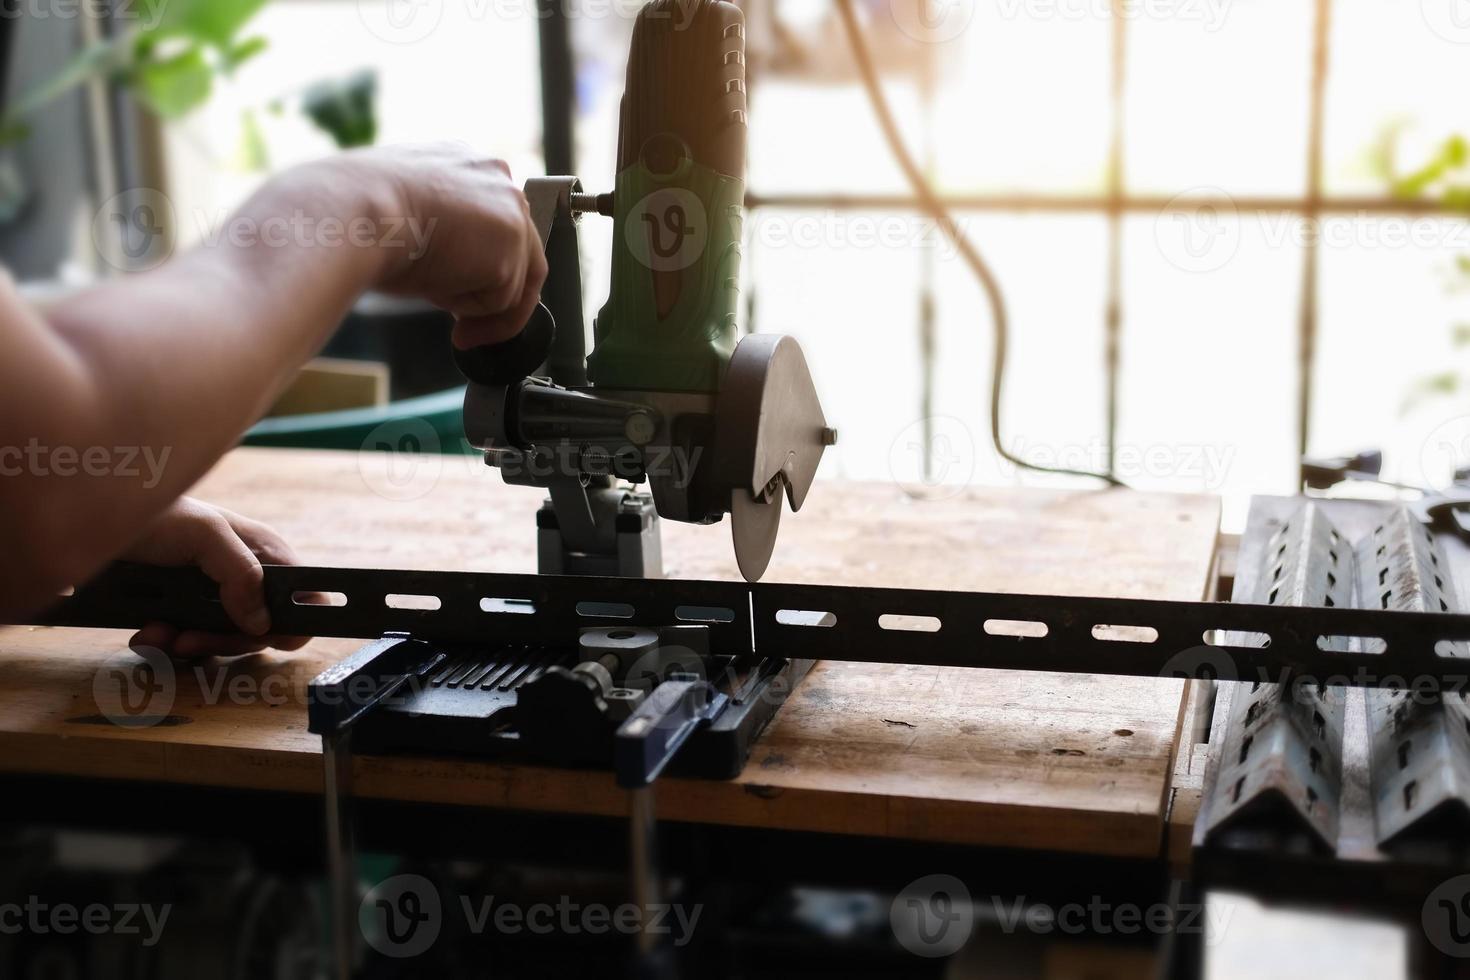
<point>671,394</point>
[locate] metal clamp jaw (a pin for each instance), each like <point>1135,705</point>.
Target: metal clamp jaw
<point>562,439</point>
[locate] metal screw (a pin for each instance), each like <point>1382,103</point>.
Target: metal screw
<point>640,428</point>
<point>580,203</point>
<point>829,436</point>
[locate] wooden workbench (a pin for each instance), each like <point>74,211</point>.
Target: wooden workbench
<point>1057,761</point>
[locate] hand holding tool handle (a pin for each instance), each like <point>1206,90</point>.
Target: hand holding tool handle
<point>510,360</point>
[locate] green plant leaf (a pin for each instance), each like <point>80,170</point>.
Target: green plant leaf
<point>242,51</point>
<point>13,131</point>
<point>1446,383</point>
<point>1457,198</point>
<point>345,108</point>
<point>1450,157</point>
<point>1383,153</point>
<point>212,21</point>
<point>173,86</point>
<point>251,155</point>
<point>1460,334</point>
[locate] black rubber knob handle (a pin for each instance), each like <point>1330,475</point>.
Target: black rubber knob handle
<point>510,360</point>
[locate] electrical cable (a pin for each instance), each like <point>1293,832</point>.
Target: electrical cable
<point>936,210</point>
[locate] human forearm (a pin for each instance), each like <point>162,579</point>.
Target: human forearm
<point>190,355</point>
<point>172,365</point>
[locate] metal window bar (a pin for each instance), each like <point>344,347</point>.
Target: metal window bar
<point>1116,202</point>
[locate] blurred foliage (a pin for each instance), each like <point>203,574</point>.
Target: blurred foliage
<point>251,153</point>
<point>344,108</point>
<point>1444,176</point>
<point>169,61</point>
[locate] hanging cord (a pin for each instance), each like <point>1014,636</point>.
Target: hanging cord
<point>931,204</point>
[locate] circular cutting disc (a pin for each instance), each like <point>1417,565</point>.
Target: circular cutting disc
<point>753,525</point>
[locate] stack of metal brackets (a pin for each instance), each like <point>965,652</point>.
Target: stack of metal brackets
<point>1419,737</point>
<point>1280,771</point>
<point>1312,782</point>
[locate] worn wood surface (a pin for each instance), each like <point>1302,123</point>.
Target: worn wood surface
<point>1002,758</point>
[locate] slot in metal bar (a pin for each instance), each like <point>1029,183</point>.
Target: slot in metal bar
<point>1140,637</point>
<point>1084,635</point>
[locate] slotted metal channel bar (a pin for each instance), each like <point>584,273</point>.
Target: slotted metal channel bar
<point>1282,756</point>
<point>1419,740</point>
<point>822,622</point>
<point>1100,636</point>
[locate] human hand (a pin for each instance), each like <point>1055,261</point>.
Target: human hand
<point>473,248</point>
<point>230,549</point>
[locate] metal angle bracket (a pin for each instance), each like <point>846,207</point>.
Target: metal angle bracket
<point>1281,764</point>
<point>1419,738</point>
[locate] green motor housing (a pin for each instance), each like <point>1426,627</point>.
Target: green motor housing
<point>669,322</point>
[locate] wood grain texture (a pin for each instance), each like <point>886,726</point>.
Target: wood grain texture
<point>1004,758</point>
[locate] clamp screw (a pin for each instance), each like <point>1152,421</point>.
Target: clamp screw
<point>829,436</point>
<point>579,203</point>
